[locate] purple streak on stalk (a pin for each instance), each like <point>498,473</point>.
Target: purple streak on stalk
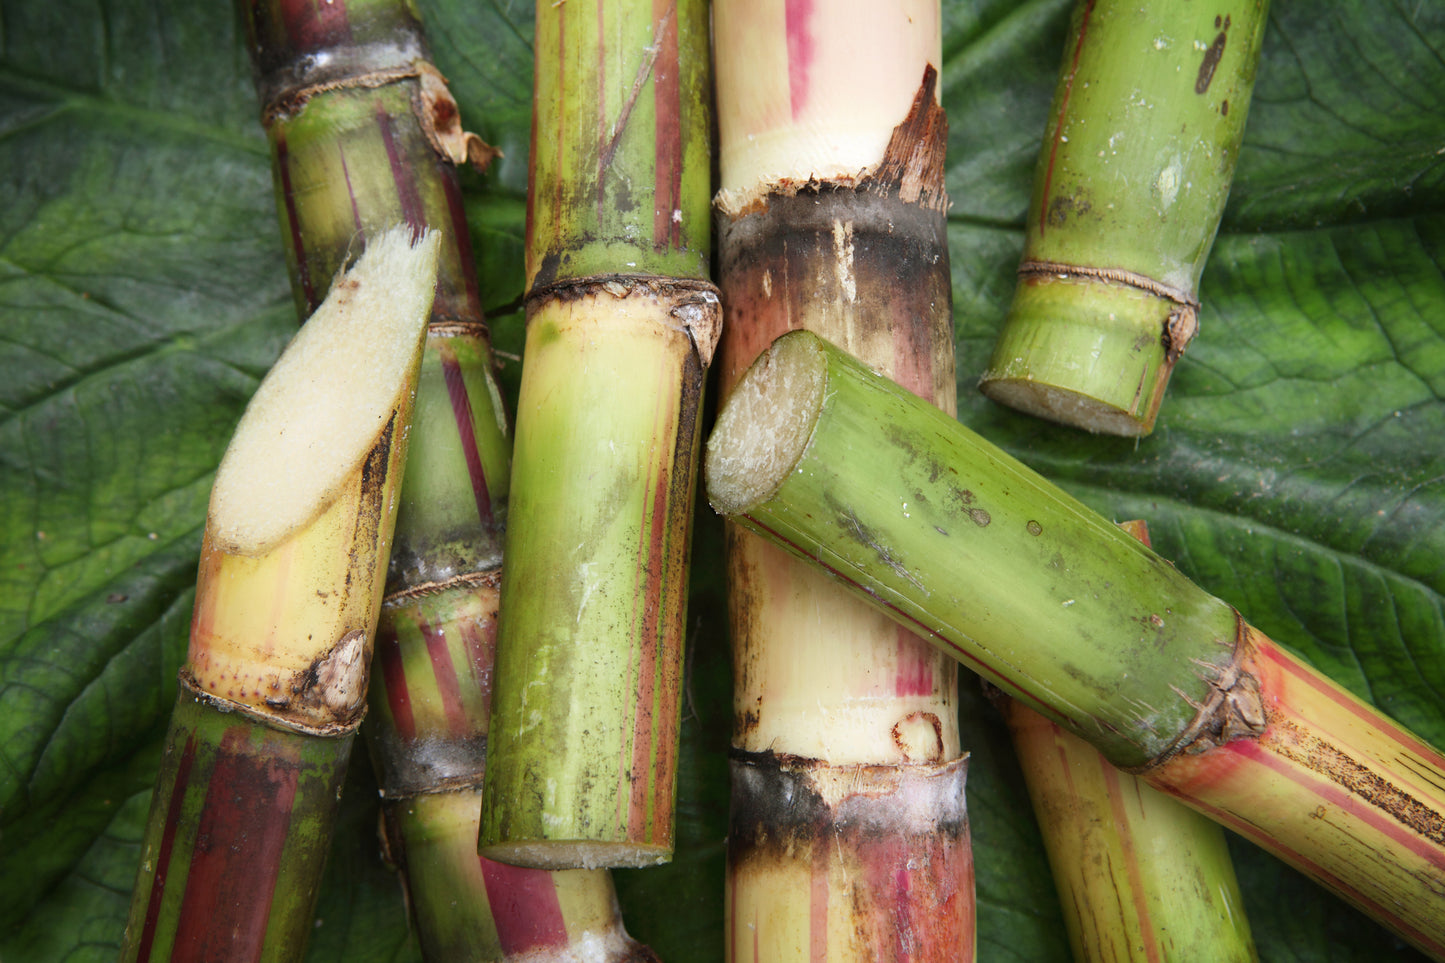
<point>293,221</point>
<point>393,674</point>
<point>467,433</point>
<point>465,262</point>
<point>604,149</point>
<point>163,856</point>
<point>237,857</point>
<point>524,907</point>
<point>411,205</point>
<point>800,52</point>
<point>350,191</point>
<point>313,26</point>
<point>445,675</point>
<point>481,646</point>
<point>667,144</point>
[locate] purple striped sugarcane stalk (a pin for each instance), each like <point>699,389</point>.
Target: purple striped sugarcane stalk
<point>371,141</point>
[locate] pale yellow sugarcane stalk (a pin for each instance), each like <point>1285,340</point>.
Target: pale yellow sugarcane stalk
<point>848,834</point>
<point>301,513</point>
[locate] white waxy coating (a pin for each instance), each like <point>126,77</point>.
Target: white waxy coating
<point>320,408</point>
<point>765,426</point>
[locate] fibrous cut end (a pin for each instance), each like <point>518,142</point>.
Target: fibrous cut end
<point>766,424</point>
<point>336,386</point>
<point>1066,407</point>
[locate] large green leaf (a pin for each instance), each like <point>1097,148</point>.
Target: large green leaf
<point>1297,470</point>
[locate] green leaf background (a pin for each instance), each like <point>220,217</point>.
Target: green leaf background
<point>1298,469</point>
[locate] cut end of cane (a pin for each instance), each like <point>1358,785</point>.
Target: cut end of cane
<point>576,854</point>
<point>319,410</point>
<point>1066,407</point>
<point>766,424</point>
<point>1087,347</point>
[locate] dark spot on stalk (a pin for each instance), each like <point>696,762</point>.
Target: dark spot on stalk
<point>1212,57</point>
<point>1034,528</point>
<point>980,517</point>
<point>115,598</point>
<point>1224,108</point>
<point>854,529</point>
<point>1062,206</point>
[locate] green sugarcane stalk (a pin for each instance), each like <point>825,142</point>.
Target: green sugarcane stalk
<point>291,574</point>
<point>621,324</point>
<point>1131,182</point>
<point>376,140</point>
<point>1076,619</point>
<point>848,834</point>
<point>1140,877</point>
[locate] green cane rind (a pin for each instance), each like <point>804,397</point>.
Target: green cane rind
<point>429,696</point>
<point>356,160</point>
<point>1083,351</point>
<point>583,743</point>
<point>1139,876</point>
<point>453,508</point>
<point>198,887</point>
<point>621,168</point>
<point>1133,175</point>
<point>448,898</point>
<point>1127,665</point>
<point>1137,159</point>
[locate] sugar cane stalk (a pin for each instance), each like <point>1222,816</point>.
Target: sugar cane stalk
<point>1131,182</point>
<point>621,324</point>
<point>291,574</point>
<point>378,143</point>
<point>848,834</point>
<point>1073,617</point>
<point>1140,877</point>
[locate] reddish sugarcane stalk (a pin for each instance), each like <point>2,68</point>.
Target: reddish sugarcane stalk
<point>848,835</point>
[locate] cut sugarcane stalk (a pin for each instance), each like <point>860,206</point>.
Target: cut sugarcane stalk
<point>1140,877</point>
<point>1131,182</point>
<point>621,324</point>
<point>848,836</point>
<point>1073,617</point>
<point>370,145</point>
<point>292,566</point>
<point>430,699</point>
